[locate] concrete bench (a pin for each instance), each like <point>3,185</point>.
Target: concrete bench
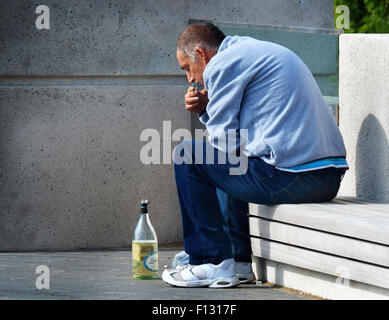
<point>337,249</point>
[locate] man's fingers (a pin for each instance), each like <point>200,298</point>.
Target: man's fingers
<point>191,95</point>
<point>190,107</point>
<point>192,100</point>
<point>191,90</point>
<point>196,100</point>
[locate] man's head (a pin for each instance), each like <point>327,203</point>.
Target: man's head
<point>197,44</point>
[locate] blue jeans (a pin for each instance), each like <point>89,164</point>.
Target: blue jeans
<point>214,203</point>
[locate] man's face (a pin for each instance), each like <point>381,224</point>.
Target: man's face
<point>194,70</point>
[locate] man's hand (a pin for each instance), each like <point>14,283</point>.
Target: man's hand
<point>196,100</point>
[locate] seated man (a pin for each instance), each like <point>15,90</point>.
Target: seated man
<point>293,149</point>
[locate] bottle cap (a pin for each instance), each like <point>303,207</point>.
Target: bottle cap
<point>143,206</point>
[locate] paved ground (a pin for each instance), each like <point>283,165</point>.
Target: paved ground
<point>106,274</point>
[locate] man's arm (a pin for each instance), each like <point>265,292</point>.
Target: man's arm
<point>225,93</point>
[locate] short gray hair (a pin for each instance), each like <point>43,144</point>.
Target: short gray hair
<point>204,35</point>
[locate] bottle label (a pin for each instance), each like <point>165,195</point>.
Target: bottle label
<point>144,258</point>
<point>150,262</point>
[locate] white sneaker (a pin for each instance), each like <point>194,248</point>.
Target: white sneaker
<point>221,275</point>
<point>244,271</point>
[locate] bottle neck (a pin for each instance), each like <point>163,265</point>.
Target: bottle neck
<point>144,217</point>
<point>144,229</point>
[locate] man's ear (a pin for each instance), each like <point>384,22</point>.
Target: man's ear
<point>202,55</point>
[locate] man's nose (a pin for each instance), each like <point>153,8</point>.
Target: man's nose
<point>189,78</point>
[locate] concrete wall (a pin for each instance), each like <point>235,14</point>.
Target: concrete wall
<point>364,114</point>
<point>74,100</point>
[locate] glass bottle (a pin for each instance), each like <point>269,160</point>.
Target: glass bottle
<point>144,247</point>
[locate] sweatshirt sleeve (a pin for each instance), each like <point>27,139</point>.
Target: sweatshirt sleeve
<point>204,117</point>
<point>225,92</point>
